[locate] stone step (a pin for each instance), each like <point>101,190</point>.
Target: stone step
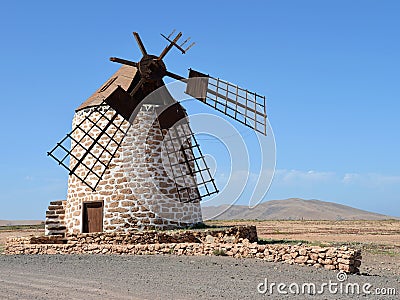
<point>55,207</point>
<point>53,225</point>
<point>57,202</point>
<point>52,221</point>
<point>56,227</point>
<point>51,216</point>
<point>54,212</point>
<point>55,232</point>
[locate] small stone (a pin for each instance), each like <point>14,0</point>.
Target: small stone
<point>329,267</point>
<point>209,239</point>
<point>303,252</point>
<point>301,259</point>
<point>346,268</point>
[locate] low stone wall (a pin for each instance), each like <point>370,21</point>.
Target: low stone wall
<point>238,242</point>
<point>347,260</point>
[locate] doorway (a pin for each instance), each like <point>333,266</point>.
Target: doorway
<point>92,217</point>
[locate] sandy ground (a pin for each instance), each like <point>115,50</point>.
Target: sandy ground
<point>380,232</point>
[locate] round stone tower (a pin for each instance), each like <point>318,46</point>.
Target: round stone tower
<point>137,189</point>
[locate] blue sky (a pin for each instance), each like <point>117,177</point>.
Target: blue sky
<point>329,69</point>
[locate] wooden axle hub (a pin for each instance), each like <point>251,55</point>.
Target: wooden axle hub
<point>151,68</point>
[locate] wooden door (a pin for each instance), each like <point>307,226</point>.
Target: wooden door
<point>92,217</point>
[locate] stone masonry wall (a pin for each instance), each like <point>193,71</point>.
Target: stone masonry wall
<point>343,258</point>
<point>136,189</point>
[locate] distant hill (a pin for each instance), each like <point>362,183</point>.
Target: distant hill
<point>290,209</point>
<point>19,222</point>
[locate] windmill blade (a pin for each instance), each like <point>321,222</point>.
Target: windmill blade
<point>87,151</point>
<point>140,43</point>
<point>186,164</point>
<point>124,62</point>
<point>138,86</point>
<point>240,104</point>
<point>172,43</point>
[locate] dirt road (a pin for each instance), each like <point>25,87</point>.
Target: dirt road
<point>166,277</point>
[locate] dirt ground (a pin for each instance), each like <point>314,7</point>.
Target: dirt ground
<point>170,277</point>
<point>379,240</point>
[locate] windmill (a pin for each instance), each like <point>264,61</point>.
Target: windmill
<point>103,124</point>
